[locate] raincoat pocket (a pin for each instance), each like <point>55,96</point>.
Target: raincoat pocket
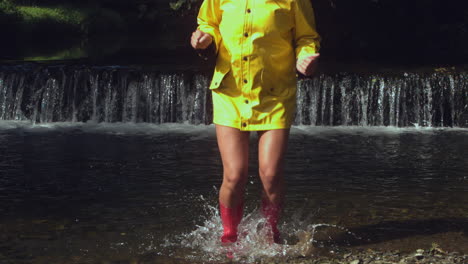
<point>218,77</point>
<point>273,87</point>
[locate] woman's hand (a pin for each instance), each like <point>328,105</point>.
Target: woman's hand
<point>308,65</point>
<point>200,39</point>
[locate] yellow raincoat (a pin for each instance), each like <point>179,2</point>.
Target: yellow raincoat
<point>257,43</point>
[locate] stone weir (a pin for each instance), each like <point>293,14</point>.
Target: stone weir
<point>70,93</point>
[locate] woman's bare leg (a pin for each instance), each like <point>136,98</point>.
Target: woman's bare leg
<point>234,148</point>
<point>272,147</point>
<point>271,151</point>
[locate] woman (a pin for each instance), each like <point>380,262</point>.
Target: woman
<point>259,45</point>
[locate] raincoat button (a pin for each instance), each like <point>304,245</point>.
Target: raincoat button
<point>245,80</point>
<point>244,124</point>
<point>246,101</point>
<point>246,34</point>
<point>245,58</point>
<point>248,10</point>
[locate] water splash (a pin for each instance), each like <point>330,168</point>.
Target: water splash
<point>254,239</point>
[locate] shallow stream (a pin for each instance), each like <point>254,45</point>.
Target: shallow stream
<point>144,193</point>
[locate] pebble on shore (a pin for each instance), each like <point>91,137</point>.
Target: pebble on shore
<point>420,256</point>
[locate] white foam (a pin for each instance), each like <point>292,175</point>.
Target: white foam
<point>254,239</point>
<point>371,130</point>
<point>128,128</point>
<point>119,128</point>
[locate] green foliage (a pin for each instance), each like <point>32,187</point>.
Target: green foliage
<point>177,5</point>
<point>185,6</point>
<point>59,19</point>
<point>66,54</point>
<point>9,17</point>
<point>32,14</point>
<point>53,20</point>
<point>7,7</point>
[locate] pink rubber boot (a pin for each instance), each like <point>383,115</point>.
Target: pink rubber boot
<point>230,217</point>
<point>272,212</point>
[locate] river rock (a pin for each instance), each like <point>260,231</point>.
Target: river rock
<point>419,254</point>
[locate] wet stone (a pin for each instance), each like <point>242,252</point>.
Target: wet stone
<point>419,254</point>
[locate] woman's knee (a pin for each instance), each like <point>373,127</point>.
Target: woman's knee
<point>235,177</point>
<point>271,176</point>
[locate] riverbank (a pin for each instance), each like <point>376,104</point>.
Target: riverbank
<point>350,32</point>
<point>435,255</point>
<point>52,30</point>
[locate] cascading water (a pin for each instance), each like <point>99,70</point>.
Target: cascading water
<point>409,99</point>
<point>119,94</point>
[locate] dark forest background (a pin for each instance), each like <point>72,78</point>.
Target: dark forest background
<point>396,32</point>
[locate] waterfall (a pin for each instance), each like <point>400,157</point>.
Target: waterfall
<point>61,93</point>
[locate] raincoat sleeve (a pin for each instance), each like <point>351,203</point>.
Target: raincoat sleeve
<point>208,21</point>
<point>307,40</point>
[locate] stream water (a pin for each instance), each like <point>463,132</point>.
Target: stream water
<point>119,164</point>
<point>73,192</point>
